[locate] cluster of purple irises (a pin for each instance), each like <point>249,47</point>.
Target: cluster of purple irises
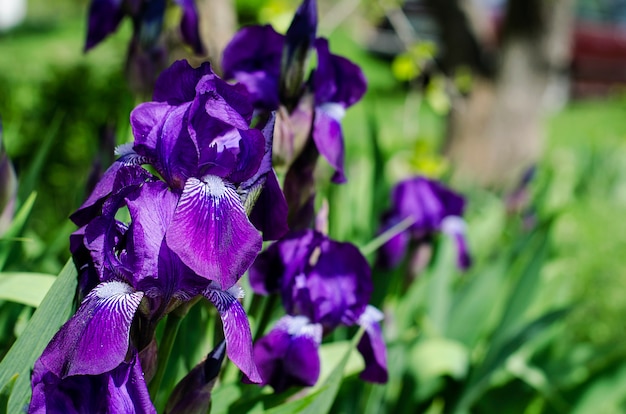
<point>182,214</point>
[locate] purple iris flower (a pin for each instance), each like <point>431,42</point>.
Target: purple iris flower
<point>147,15</point>
<point>186,231</point>
<point>272,68</point>
<point>323,284</point>
<point>120,390</point>
<point>433,208</point>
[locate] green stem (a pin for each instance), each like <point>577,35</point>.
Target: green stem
<point>266,315</point>
<point>165,348</point>
<point>387,235</point>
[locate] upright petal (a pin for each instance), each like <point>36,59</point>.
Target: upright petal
<point>146,122</point>
<point>96,339</point>
<point>253,48</point>
<point>236,329</point>
<point>177,84</point>
<point>161,134</point>
<point>253,58</point>
<point>372,347</point>
<point>211,233</point>
<point>226,102</point>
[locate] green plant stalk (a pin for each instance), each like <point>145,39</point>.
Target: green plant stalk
<point>266,314</point>
<point>165,349</point>
<point>387,235</point>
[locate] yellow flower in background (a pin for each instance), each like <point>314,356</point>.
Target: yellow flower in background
<point>426,161</point>
<point>422,159</point>
<point>278,13</point>
<point>409,65</point>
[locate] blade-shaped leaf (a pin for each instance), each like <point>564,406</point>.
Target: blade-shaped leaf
<point>25,288</point>
<point>54,310</point>
<point>29,179</point>
<point>15,229</point>
<point>498,355</point>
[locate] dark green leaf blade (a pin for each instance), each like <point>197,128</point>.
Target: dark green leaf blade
<point>51,314</point>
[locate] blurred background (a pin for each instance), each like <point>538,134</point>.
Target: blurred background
<point>520,105</point>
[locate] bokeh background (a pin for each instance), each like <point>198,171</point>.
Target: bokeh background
<point>520,106</point>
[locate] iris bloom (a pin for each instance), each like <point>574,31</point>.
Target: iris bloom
<point>433,208</point>
<point>323,284</point>
<point>272,67</point>
<point>188,235</point>
<point>147,15</point>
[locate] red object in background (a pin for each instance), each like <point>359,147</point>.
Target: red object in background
<point>598,57</point>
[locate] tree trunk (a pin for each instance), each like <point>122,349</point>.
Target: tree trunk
<point>495,133</point>
<point>218,24</point>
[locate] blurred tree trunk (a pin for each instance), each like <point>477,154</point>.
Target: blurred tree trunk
<point>218,24</point>
<point>495,132</point>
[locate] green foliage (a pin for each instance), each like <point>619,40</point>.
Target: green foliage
<point>535,326</point>
<point>51,314</point>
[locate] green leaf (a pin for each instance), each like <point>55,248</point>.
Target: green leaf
<point>497,356</point>
<point>440,287</point>
<point>604,394</point>
<point>331,355</point>
<point>29,179</point>
<point>4,394</point>
<point>54,310</point>
<point>16,229</point>
<point>25,288</point>
<point>524,292</point>
<point>437,357</point>
<point>474,306</point>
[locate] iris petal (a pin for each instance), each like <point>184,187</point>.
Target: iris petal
<point>372,347</point>
<point>329,138</point>
<point>454,226</point>
<point>96,339</point>
<point>288,355</point>
<point>177,84</point>
<point>151,210</point>
<point>211,233</point>
<point>236,329</point>
<point>146,122</point>
<point>122,390</point>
